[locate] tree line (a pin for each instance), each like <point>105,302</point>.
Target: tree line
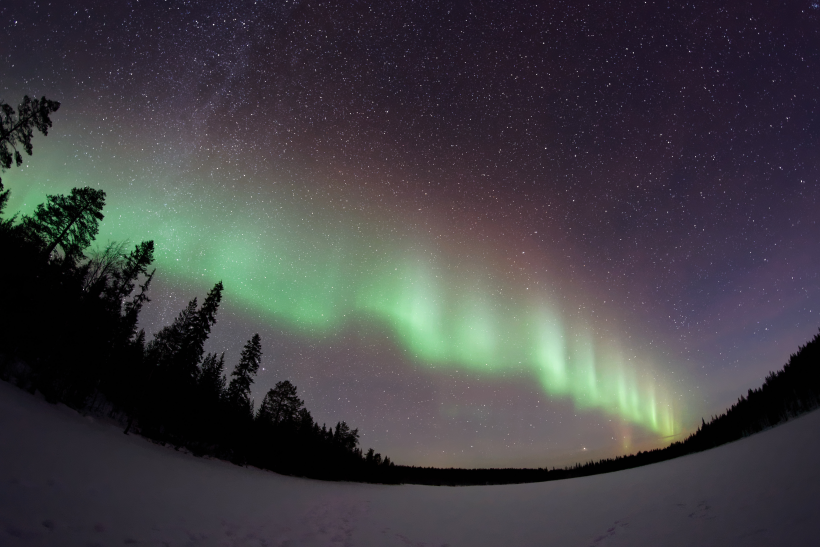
<point>68,328</point>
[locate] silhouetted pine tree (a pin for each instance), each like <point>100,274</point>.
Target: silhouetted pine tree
<point>239,407</point>
<point>166,346</point>
<point>17,128</point>
<point>197,334</point>
<point>70,222</point>
<point>281,404</point>
<point>173,358</point>
<point>346,437</point>
<point>239,390</point>
<point>170,382</point>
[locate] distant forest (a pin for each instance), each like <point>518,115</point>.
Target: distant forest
<point>68,328</point>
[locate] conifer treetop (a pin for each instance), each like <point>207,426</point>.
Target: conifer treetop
<point>17,128</point>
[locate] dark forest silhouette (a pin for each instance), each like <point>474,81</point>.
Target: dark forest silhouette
<point>68,328</point>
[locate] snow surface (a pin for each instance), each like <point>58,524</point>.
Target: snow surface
<point>68,480</point>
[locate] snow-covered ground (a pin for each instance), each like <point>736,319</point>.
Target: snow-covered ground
<point>68,480</point>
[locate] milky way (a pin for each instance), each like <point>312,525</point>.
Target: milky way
<point>495,234</point>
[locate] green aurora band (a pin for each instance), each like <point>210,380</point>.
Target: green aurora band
<point>316,268</point>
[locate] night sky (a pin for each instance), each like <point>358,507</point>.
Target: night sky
<point>484,233</point>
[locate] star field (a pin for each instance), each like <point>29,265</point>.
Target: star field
<point>484,233</point>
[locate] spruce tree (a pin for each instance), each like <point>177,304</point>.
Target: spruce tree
<point>71,221</point>
<point>174,355</point>
<point>112,275</point>
<point>239,390</point>
<point>180,346</point>
<point>167,344</point>
<point>201,328</point>
<point>17,129</point>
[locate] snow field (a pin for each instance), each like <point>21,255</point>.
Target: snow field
<point>68,480</point>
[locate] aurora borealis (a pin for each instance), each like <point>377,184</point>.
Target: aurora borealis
<point>485,234</point>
